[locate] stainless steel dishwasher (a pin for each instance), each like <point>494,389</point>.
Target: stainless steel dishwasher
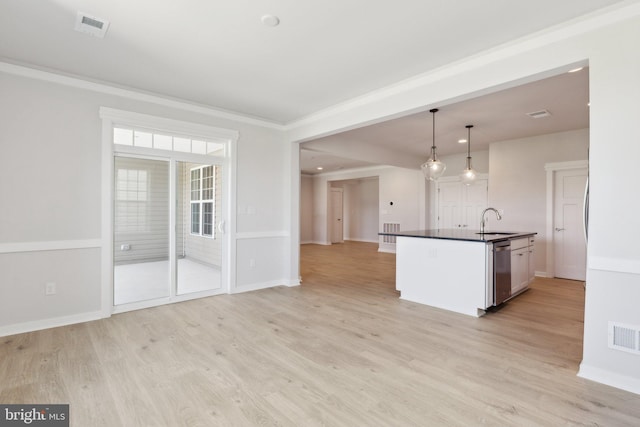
<point>501,271</point>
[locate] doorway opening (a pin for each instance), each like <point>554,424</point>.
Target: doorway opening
<point>165,195</point>
<point>565,223</point>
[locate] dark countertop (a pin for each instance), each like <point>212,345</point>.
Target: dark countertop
<point>462,234</point>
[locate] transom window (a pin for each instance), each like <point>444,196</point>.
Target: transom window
<point>145,139</point>
<point>202,200</point>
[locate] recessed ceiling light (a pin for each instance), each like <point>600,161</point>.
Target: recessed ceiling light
<point>270,20</point>
<point>575,70</point>
<point>319,168</point>
<point>462,141</point>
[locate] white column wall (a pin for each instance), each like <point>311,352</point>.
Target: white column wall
<point>606,43</point>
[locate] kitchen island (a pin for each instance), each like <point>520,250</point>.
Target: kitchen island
<point>453,269</point>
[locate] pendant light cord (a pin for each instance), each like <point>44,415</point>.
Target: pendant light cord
<point>469,146</point>
<point>433,139</point>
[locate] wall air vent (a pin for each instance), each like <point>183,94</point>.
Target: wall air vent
<point>539,114</point>
<point>390,227</point>
<point>91,25</point>
<point>624,337</point>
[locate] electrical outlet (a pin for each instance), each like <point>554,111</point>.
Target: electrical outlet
<point>50,288</point>
<point>501,212</point>
<point>125,247</point>
<point>252,263</point>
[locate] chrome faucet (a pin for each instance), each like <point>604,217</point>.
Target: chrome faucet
<point>482,221</point>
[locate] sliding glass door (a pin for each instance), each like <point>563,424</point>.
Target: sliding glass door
<point>199,212</point>
<point>168,218</point>
<point>141,230</point>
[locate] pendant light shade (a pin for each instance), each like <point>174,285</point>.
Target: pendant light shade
<point>433,168</point>
<point>468,175</point>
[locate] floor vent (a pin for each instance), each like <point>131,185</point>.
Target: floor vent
<point>624,337</point>
<point>91,25</point>
<point>390,227</point>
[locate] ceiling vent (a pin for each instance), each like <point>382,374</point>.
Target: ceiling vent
<point>91,25</point>
<point>539,114</point>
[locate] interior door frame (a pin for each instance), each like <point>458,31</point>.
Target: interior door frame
<point>332,216</point>
<point>111,118</point>
<point>552,169</point>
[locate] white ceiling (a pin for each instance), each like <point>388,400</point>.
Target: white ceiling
<point>499,116</point>
<point>219,54</point>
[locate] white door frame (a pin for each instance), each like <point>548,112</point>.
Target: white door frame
<point>552,169</point>
<point>332,216</point>
<point>112,117</point>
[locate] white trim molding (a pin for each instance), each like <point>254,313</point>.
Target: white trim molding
<point>55,322</point>
<point>609,378</point>
<point>52,245</point>
<point>264,285</point>
<point>137,95</point>
<point>617,265</point>
<point>261,234</point>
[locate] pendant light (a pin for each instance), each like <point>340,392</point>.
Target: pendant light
<point>433,168</point>
<point>468,175</point>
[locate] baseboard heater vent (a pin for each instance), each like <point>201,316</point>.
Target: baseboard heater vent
<point>624,337</point>
<point>390,227</point>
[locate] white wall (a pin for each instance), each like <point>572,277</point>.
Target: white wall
<point>404,187</point>
<point>50,185</point>
<point>606,42</point>
<point>306,209</point>
<point>517,181</point>
<point>456,163</point>
<point>360,208</point>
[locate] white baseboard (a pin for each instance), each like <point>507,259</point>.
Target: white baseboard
<point>315,242</point>
<point>609,378</point>
<point>362,240</point>
<point>55,322</point>
<point>265,285</point>
<point>387,250</point>
<point>540,274</point>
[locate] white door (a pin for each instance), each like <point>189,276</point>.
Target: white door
<point>475,201</point>
<point>337,226</point>
<point>569,247</point>
<point>449,205</point>
<point>460,205</point>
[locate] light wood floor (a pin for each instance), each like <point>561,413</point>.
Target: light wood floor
<point>340,350</point>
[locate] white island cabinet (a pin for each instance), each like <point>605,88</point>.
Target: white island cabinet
<point>452,269</point>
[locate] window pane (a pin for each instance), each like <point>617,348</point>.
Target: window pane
<point>207,219</point>
<point>215,149</point>
<point>162,142</point>
<point>122,136</point>
<point>207,183</point>
<point>182,144</point>
<point>195,184</point>
<point>142,139</point>
<point>198,147</point>
<point>195,218</point>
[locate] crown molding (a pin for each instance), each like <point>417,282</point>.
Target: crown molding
<point>80,83</point>
<point>559,32</point>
